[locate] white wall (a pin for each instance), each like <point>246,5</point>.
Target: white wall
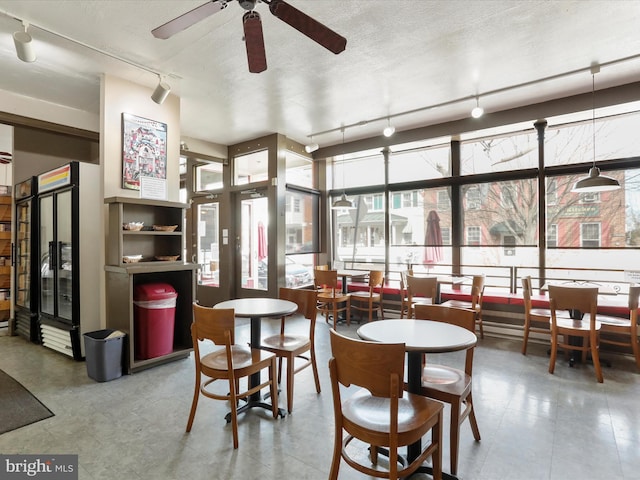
<point>119,96</point>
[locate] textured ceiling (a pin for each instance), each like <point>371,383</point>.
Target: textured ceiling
<point>401,55</point>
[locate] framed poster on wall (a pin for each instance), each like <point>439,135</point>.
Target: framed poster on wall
<point>144,151</point>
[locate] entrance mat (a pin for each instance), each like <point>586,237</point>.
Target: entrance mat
<point>18,407</point>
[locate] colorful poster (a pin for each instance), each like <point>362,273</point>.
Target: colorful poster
<point>144,150</point>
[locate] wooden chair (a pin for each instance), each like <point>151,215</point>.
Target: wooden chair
<point>477,295</point>
<point>420,290</point>
<point>585,331</point>
<point>331,300</point>
<point>379,413</point>
<point>230,363</point>
<point>404,294</point>
<point>290,346</point>
<point>372,299</point>
<point>451,385</point>
<point>536,320</point>
<point>622,332</point>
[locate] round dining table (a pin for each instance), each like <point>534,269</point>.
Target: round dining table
<point>256,309</point>
<point>419,337</point>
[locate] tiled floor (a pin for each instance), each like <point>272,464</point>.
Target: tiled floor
<point>533,425</point>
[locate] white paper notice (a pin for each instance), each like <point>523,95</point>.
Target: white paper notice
<point>154,188</point>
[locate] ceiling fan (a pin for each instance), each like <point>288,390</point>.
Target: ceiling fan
<point>254,40</point>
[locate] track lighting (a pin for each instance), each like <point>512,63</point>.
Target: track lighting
<point>595,182</point>
<point>161,92</point>
<point>477,111</point>
<point>312,147</point>
<point>389,129</point>
<point>24,45</point>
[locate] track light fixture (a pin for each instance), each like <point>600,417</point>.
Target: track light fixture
<point>389,129</point>
<point>24,44</point>
<point>477,111</point>
<point>161,92</point>
<point>312,147</point>
<point>595,182</point>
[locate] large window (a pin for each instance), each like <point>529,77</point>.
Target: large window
<point>251,167</point>
<point>420,164</point>
<point>499,154</point>
<point>302,220</point>
<point>590,235</point>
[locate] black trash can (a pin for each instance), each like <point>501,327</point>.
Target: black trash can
<point>103,352</point>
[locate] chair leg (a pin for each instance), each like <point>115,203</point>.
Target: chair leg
<point>290,371</point>
<point>479,322</point>
<point>436,439</point>
<point>337,453</point>
<point>314,367</point>
<point>472,419</point>
<point>233,387</point>
<point>454,436</point>
<point>595,356</point>
<point>554,352</point>
<point>525,338</point>
<point>194,402</point>
<point>279,370</point>
<point>273,388</point>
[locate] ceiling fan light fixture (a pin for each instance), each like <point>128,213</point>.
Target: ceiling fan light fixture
<point>161,92</point>
<point>24,45</point>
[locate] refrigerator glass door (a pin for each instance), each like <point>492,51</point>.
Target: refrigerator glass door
<point>23,257</point>
<point>47,256</point>
<point>64,271</point>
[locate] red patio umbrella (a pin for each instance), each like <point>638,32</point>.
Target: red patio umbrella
<point>262,242</point>
<point>433,239</point>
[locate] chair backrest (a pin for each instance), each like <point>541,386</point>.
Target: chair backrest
<point>376,279</point>
<point>403,278</point>
<point>422,287</point>
<point>326,279</point>
<point>582,299</point>
<point>477,290</point>
<point>526,293</point>
<point>215,324</point>
<point>369,365</point>
<point>321,267</point>
<point>305,299</point>
<point>462,317</point>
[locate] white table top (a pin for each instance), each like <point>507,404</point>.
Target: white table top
<point>419,335</point>
<point>259,307</point>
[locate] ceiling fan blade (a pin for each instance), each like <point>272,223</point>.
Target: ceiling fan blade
<point>185,20</point>
<point>308,26</point>
<point>254,41</point>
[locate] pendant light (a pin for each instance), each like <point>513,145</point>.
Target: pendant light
<point>595,182</point>
<point>343,203</point>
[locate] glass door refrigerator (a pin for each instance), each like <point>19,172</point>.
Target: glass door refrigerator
<point>69,223</point>
<point>25,306</point>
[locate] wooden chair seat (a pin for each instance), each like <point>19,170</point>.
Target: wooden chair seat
<point>450,380</point>
<point>569,325</point>
<point>246,361</point>
<point>364,412</point>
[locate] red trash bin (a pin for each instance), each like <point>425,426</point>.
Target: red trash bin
<point>154,319</point>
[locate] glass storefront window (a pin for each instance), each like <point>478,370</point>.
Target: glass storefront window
<point>299,170</point>
<point>420,164</point>
<point>209,177</point>
<point>358,172</point>
<point>251,168</point>
<point>302,219</point>
<point>499,154</point>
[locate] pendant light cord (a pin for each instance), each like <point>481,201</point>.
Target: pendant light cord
<point>593,114</point>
